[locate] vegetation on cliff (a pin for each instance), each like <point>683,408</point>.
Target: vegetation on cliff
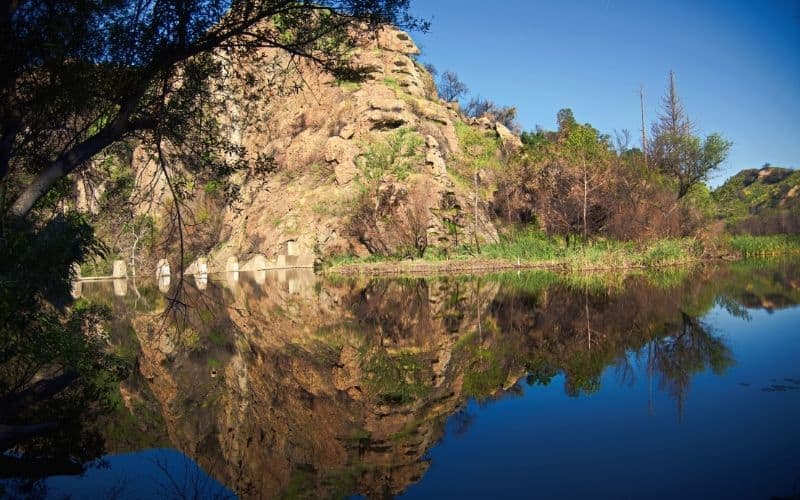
<point>760,201</point>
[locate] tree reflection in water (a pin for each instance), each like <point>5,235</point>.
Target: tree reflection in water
<point>315,387</point>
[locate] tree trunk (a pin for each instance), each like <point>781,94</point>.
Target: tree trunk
<point>77,155</point>
<point>477,244</point>
<point>585,203</point>
<point>40,391</point>
<point>644,133</point>
<point>65,164</point>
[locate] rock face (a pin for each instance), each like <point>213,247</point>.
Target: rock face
<point>333,191</point>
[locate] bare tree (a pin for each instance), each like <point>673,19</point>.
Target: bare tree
<point>507,115</point>
<point>644,133</point>
<point>450,87</point>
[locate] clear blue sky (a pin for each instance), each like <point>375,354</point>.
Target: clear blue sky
<point>737,64</point>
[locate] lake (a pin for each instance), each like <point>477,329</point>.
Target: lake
<point>286,384</point>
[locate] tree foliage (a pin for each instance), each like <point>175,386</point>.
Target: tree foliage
<point>78,76</point>
<point>573,181</point>
<point>678,151</point>
<point>560,181</point>
<point>55,369</point>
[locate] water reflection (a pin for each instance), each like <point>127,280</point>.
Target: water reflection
<point>289,383</point>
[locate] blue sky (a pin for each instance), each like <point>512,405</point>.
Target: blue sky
<point>737,64</point>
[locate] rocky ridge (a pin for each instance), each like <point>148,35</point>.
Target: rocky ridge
<point>360,167</point>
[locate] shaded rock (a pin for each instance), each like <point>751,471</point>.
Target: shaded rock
<point>434,159</point>
<point>347,132</point>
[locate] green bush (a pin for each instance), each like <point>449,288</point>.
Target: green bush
<point>398,155</point>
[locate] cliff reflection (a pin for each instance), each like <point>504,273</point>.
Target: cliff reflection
<point>289,384</point>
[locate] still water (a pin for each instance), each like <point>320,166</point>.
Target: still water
<point>289,384</point>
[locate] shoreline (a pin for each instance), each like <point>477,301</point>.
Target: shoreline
<point>533,251</point>
<point>421,268</point>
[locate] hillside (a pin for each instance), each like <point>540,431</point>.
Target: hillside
<point>374,165</point>
<point>354,167</point>
<point>761,201</point>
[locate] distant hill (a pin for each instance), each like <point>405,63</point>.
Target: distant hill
<point>761,201</point>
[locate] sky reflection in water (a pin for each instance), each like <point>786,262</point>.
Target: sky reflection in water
<point>737,436</point>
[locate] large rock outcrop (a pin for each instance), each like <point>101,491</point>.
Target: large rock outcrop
<point>360,166</point>
<point>374,164</point>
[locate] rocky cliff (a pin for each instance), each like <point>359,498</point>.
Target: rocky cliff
<point>359,166</point>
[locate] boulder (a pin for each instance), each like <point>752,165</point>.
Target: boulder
<point>162,268</point>
<point>340,150</point>
<point>394,40</point>
<point>198,268</point>
<point>434,159</point>
<point>257,262</point>
<point>483,122</point>
<point>119,269</point>
<point>341,153</point>
<point>509,139</point>
<point>384,104</point>
<point>347,131</point>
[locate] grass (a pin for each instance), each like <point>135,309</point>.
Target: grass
<point>528,245</point>
<point>392,83</point>
<point>347,86</point>
<point>479,148</point>
<point>532,248</point>
<point>754,246</point>
<point>535,246</point>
